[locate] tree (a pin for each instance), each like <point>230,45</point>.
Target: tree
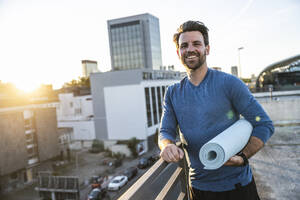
<point>80,82</point>
<point>97,146</point>
<point>132,143</point>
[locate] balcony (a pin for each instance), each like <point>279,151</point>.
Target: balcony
<point>163,180</point>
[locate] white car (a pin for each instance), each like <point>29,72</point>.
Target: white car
<point>117,182</point>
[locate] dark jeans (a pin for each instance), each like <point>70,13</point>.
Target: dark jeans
<point>247,192</point>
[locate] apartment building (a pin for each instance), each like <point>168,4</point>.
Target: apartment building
<point>28,137</point>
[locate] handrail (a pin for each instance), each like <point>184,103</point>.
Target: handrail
<point>162,181</point>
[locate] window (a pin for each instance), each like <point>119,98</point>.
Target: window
<point>148,107</point>
<point>154,105</point>
<point>159,101</point>
<point>78,111</point>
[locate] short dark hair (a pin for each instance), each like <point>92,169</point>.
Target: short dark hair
<point>191,26</point>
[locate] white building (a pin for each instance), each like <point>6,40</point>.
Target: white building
<point>128,103</point>
<point>76,112</point>
<point>88,67</point>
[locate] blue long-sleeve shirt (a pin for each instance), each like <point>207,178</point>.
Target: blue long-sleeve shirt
<point>204,111</point>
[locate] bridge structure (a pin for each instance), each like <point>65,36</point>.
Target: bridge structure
<point>281,75</point>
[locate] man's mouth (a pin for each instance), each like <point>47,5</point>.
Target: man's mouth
<point>191,57</point>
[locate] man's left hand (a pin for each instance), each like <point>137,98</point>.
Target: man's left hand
<point>235,161</point>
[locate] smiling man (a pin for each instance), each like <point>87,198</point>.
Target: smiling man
<point>204,104</point>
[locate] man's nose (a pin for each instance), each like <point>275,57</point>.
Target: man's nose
<point>191,48</point>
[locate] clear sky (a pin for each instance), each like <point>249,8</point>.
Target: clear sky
<point>44,41</point>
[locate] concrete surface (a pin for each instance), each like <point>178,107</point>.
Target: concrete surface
<point>277,166</point>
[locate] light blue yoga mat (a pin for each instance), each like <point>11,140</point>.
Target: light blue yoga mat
<point>218,150</point>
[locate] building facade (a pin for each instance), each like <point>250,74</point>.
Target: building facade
<point>135,42</point>
<point>88,67</point>
<point>128,103</point>
<point>28,137</point>
<point>281,75</point>
<point>234,71</point>
<point>75,114</point>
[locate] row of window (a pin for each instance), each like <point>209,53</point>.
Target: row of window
<point>160,75</point>
<point>154,98</point>
<point>30,136</point>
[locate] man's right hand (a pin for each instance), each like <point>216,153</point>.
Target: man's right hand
<point>171,153</point>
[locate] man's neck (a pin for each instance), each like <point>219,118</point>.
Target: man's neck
<point>197,76</point>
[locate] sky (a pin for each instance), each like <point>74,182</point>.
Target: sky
<point>44,41</point>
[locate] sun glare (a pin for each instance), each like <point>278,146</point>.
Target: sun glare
<point>27,87</point>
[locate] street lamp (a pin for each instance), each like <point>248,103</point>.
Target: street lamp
<point>240,68</point>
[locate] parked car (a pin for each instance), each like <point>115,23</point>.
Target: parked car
<point>112,162</point>
<point>97,194</point>
<point>156,155</point>
<point>99,181</point>
<point>115,163</point>
<point>145,162</point>
<point>117,182</point>
<point>130,172</point>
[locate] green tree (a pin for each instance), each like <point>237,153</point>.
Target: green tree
<point>97,146</point>
<point>80,82</point>
<point>132,146</point>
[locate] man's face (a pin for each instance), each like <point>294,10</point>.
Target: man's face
<point>192,50</point>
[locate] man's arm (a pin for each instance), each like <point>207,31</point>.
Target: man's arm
<point>169,151</point>
<point>246,105</point>
<point>253,146</point>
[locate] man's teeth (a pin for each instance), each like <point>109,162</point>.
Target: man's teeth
<point>191,57</point>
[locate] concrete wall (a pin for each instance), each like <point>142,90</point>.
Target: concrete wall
<point>282,109</point>
<point>125,112</point>
<point>74,108</point>
<point>109,79</point>
<point>47,134</point>
<point>120,148</point>
<point>82,130</point>
<point>13,152</point>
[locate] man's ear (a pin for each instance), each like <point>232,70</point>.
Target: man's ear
<point>207,49</point>
<point>177,51</point>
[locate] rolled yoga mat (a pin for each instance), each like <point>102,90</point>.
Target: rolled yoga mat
<point>218,150</point>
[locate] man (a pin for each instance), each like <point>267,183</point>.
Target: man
<point>202,105</point>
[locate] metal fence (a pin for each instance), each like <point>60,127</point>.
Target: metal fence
<point>58,187</point>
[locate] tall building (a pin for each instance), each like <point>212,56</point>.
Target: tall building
<point>234,71</point>
<point>88,67</point>
<point>135,42</point>
<point>217,68</point>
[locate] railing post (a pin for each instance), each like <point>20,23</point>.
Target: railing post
<point>184,177</point>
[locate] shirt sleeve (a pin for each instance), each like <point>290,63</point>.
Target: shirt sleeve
<point>246,105</point>
<point>169,122</point>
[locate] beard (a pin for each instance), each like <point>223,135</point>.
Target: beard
<point>193,65</point>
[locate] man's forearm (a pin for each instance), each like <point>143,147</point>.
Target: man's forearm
<point>253,146</point>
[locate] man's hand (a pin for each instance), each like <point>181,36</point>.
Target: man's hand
<point>253,146</point>
<point>171,153</point>
<point>235,161</point>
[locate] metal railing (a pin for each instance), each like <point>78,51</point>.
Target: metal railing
<point>163,181</point>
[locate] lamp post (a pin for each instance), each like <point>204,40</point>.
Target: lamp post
<point>240,68</point>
